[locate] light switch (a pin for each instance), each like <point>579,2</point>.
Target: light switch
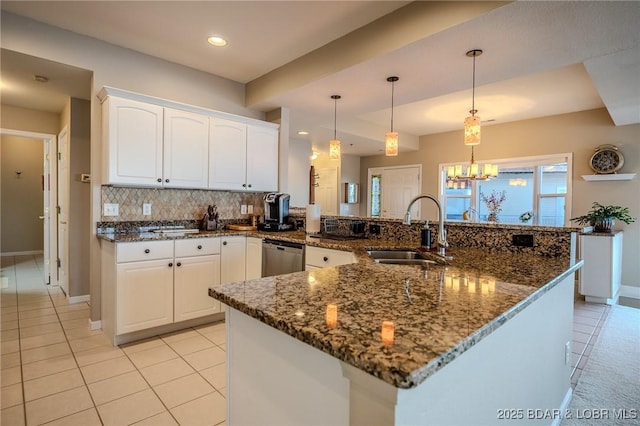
<point>243,209</point>
<point>250,209</point>
<point>146,209</point>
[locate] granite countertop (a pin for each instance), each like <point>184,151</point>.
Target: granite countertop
<point>452,306</point>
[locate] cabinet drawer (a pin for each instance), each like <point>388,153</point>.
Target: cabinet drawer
<point>321,257</point>
<point>143,250</point>
<point>197,247</point>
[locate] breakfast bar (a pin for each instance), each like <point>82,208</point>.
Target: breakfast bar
<point>470,341</point>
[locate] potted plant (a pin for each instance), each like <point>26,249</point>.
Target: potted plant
<point>602,217</point>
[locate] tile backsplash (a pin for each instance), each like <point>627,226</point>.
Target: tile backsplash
<point>177,204</point>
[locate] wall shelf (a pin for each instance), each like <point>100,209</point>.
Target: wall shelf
<point>613,176</point>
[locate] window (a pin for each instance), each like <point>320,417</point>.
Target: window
<point>375,195</point>
<point>535,187</point>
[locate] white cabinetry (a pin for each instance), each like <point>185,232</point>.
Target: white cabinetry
<point>232,259</point>
<point>602,271</point>
<point>318,257</point>
<point>254,258</point>
<point>132,136</point>
<point>197,267</point>
<point>242,156</point>
<point>148,145</point>
<point>144,285</point>
<point>186,149</point>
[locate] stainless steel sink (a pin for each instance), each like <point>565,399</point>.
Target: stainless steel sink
<point>393,254</point>
<point>421,262</point>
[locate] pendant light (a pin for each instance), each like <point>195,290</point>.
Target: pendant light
<point>334,144</point>
<point>391,140</point>
<point>472,123</point>
<point>459,174</point>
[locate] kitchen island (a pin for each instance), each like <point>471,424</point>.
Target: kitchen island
<point>483,339</point>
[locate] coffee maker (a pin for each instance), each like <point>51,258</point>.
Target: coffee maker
<point>276,212</point>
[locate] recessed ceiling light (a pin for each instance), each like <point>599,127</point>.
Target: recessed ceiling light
<point>41,78</point>
<point>303,132</point>
<point>217,41</point>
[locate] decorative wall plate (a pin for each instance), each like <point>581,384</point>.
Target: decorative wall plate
<point>607,159</point>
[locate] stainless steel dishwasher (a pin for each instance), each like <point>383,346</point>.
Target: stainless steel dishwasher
<point>281,257</point>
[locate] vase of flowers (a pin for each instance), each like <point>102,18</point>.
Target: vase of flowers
<point>494,204</point>
<point>526,217</point>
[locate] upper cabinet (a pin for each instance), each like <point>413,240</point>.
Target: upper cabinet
<point>243,157</point>
<point>186,149</point>
<point>153,144</point>
<point>133,131</point>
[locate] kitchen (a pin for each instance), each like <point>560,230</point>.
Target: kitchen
<point>536,136</point>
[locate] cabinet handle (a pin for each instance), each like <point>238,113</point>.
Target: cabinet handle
<point>249,185</point>
<point>224,243</point>
<point>147,251</point>
<point>159,180</point>
<point>244,185</point>
<point>326,259</point>
<point>170,264</point>
<point>199,247</point>
<point>178,264</point>
<point>166,180</point>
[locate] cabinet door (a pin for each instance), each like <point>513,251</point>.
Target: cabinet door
<point>133,141</point>
<point>254,258</point>
<point>232,259</point>
<point>186,149</point>
<point>262,159</point>
<point>144,295</point>
<point>227,155</point>
<point>193,277</point>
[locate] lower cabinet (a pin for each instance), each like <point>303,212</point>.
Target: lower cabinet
<point>253,267</point>
<point>148,284</point>
<point>233,259</point>
<point>318,257</point>
<point>144,295</point>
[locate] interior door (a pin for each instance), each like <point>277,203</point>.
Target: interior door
<point>48,213</point>
<point>399,186</point>
<point>327,190</point>
<point>63,211</point>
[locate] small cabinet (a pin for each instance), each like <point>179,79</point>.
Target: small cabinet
<point>318,257</point>
<point>144,285</point>
<point>132,137</point>
<point>254,258</point>
<point>197,267</point>
<point>601,274</point>
<point>243,157</point>
<point>186,150</point>
<point>232,259</point>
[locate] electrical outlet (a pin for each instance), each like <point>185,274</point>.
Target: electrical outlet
<point>522,240</point>
<point>250,209</point>
<point>146,209</point>
<point>567,352</point>
<point>110,209</point>
<point>374,229</point>
<point>243,209</point>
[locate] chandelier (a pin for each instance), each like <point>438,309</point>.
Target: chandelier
<point>458,175</point>
<point>334,144</point>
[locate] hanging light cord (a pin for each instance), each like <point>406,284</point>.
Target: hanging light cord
<point>335,114</point>
<point>392,87</point>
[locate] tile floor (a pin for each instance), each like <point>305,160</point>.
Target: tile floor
<point>56,371</point>
<point>587,323</point>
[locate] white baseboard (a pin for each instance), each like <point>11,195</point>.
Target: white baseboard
<point>79,299</point>
<point>563,407</point>
<point>95,325</point>
<point>21,253</point>
<point>630,291</point>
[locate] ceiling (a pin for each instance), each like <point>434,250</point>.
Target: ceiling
<point>540,59</point>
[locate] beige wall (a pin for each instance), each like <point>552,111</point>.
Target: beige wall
<point>22,199</point>
<point>579,133</point>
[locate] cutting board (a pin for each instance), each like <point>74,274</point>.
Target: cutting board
<point>236,227</point>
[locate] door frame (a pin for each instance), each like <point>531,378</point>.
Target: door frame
<point>380,170</point>
<point>50,208</point>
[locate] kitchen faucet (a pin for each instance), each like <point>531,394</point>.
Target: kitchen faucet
<point>442,235</point>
